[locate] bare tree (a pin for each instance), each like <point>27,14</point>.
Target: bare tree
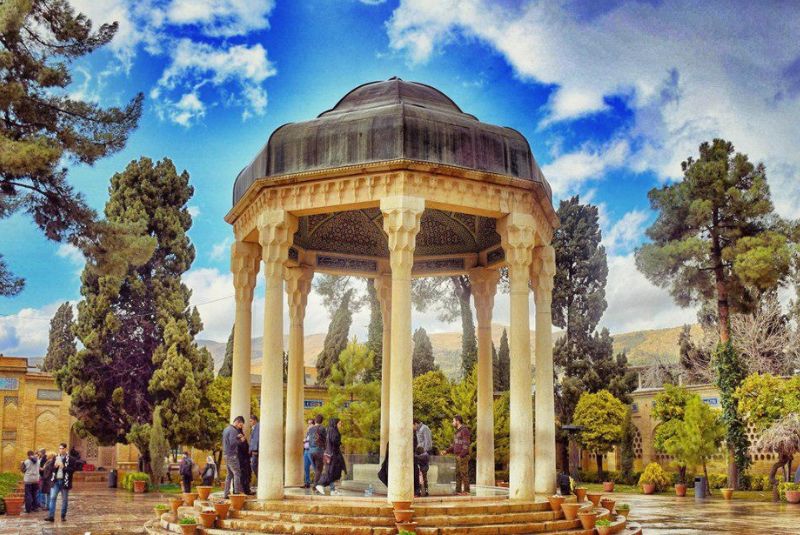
<point>765,338</point>
<point>659,372</point>
<point>782,438</point>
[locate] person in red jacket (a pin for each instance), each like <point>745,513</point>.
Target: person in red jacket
<point>460,449</point>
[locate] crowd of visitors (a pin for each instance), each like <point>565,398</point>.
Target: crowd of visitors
<point>45,478</point>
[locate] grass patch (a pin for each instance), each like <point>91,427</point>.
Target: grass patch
<point>8,482</point>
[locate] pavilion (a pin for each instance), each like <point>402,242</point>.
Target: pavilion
<point>396,182</point>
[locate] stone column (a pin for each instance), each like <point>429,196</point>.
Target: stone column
<point>276,229</point>
<point>298,284</point>
<point>484,286</point>
<point>401,216</point>
<point>245,259</point>
<point>517,234</point>
<point>383,288</point>
<point>542,273</point>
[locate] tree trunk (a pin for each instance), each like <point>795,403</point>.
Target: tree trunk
<point>773,481</point>
<point>574,460</point>
<point>599,458</point>
<point>705,473</point>
<point>563,453</point>
<point>682,473</point>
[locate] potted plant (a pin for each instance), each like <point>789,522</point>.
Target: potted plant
<point>608,486</point>
<point>189,498</point>
<point>203,492</point>
<point>14,504</point>
<point>792,492</point>
<point>207,518</point>
<point>653,478</point>
<point>580,493</point>
<point>136,482</point>
<point>403,506</point>
<point>595,497</point>
<point>188,524</point>
<point>237,501</point>
<point>608,503</point>
<point>174,503</point>
<point>571,510</point>
<point>680,486</point>
<point>221,509</point>
<point>603,526</point>
<point>623,509</point>
<point>402,516</point>
<point>555,502</point>
<point>727,493</point>
<point>160,509</point>
<point>587,518</point>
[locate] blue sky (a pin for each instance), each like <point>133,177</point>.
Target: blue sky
<point>612,97</point>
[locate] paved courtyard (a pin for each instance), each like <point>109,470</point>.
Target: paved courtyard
<point>107,511</point>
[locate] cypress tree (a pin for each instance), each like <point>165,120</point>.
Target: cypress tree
<point>134,322</point>
<point>62,339</point>
<point>503,363</point>
<point>374,332</point>
<point>43,124</point>
<point>469,343</point>
<point>496,381</point>
<point>336,339</point>
<point>158,448</point>
<point>226,370</point>
<point>422,356</point>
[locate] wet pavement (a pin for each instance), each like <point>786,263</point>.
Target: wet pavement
<point>111,511</point>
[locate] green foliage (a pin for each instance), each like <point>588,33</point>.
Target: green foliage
<point>463,400</point>
<point>502,419</point>
<point>355,402</point>
<point>717,481</point>
<point>158,448</point>
<point>766,399</point>
<point>10,285</point>
<point>134,321</point>
<point>622,507</point>
<point>61,343</point>
<point>8,482</point>
<point>187,521</point>
<point>697,436</point>
<point>431,392</point>
<point>336,339</point>
<point>469,343</point>
<point>668,408</point>
<point>627,453</point>
<point>655,475</point>
<point>422,355</point>
<point>603,522</point>
<point>375,331</point>
<point>602,417</point>
<point>730,373</point>
<point>503,368</point>
<point>219,398</point>
<point>44,124</point>
<point>130,477</point>
<point>226,370</point>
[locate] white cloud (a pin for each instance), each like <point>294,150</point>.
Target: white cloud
<point>221,18</point>
<point>689,75</point>
<point>71,253</point>
<point>193,210</point>
<point>220,249</point>
<point>626,232</point>
<point>187,111</point>
<point>25,334</point>
<point>568,172</point>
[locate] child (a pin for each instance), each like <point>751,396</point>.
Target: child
<point>423,461</point>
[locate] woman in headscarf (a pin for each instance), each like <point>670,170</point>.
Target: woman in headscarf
<point>332,458</point>
<point>209,472</point>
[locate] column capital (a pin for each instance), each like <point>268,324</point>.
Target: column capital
<point>401,217</point>
<point>298,285</point>
<point>276,230</point>
<point>517,235</point>
<point>543,270</point>
<point>484,286</point>
<point>245,260</point>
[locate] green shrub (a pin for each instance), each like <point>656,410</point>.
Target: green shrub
<point>622,507</point>
<point>783,487</point>
<point>717,481</point>
<point>656,475</point>
<point>8,482</point>
<point>603,522</point>
<point>130,477</point>
<point>187,520</point>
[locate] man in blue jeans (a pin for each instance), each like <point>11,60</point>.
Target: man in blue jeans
<point>308,462</point>
<point>62,482</point>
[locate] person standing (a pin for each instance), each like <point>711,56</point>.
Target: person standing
<point>460,449</point>
<point>332,458</point>
<point>244,464</point>
<point>185,470</point>
<point>423,461</point>
<point>307,461</point>
<point>47,478</point>
<point>41,498</point>
<point>30,471</point>
<point>209,472</point>
<point>254,429</point>
<point>316,447</point>
<point>230,450</point>
<point>63,468</point>
<point>424,437</point>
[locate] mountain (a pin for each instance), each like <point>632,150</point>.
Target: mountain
<point>642,347</point>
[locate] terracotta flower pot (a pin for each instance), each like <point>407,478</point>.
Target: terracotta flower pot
<point>13,505</point>
<point>402,516</point>
<point>188,529</point>
<point>680,490</point>
<point>624,512</point>
<point>603,530</point>
<point>571,510</point>
<point>594,497</point>
<point>159,511</point>
<point>608,486</point>
<point>793,496</point>
<point>203,492</point>
<point>174,503</point>
<point>555,502</point>
<point>727,493</point>
<point>139,487</point>
<point>608,503</point>
<point>207,518</point>
<point>237,501</point>
<point>587,519</point>
<point>580,493</point>
<point>410,527</point>
<point>648,488</point>
<point>401,506</point>
<point>189,498</point>
<point>221,509</point>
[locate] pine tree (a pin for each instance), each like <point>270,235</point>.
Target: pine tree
<point>62,339</point>
<point>123,318</point>
<point>503,363</point>
<point>44,125</point>
<point>627,453</point>
<point>422,356</point>
<point>717,239</point>
<point>375,332</point>
<point>336,339</point>
<point>226,370</point>
<point>158,447</point>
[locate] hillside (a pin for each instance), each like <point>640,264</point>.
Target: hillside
<point>642,347</point>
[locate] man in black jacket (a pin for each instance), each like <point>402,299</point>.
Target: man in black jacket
<point>62,482</point>
<point>231,438</point>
